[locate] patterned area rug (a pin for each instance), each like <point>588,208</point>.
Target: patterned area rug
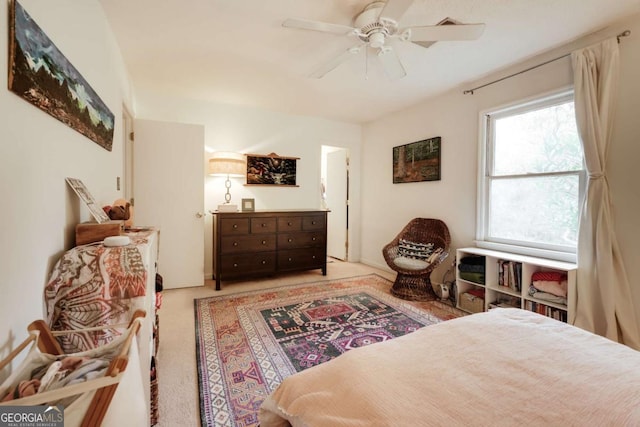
<point>247,343</point>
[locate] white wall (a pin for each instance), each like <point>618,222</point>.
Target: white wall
<point>254,131</point>
<point>37,152</point>
<point>387,207</point>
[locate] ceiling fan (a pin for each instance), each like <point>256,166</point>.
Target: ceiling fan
<point>377,26</point>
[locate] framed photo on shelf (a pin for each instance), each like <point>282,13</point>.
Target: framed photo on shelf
<point>248,205</point>
<point>83,193</point>
<point>417,161</point>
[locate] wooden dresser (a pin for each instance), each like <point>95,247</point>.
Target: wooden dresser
<point>262,243</point>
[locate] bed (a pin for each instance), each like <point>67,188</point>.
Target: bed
<point>502,367</point>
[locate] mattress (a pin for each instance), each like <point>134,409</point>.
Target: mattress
<point>501,367</point>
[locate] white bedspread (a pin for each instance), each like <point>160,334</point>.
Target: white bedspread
<point>501,368</point>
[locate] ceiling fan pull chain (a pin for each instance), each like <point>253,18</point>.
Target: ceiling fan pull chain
<point>366,62</point>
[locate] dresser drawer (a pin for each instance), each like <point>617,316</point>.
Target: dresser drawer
<point>248,243</point>
<point>315,222</point>
<point>289,223</point>
<point>300,240</point>
<point>301,258</point>
<point>234,226</point>
<point>247,264</point>
<point>263,225</point>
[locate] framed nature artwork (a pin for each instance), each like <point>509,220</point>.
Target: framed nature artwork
<point>42,75</point>
<point>271,169</point>
<point>417,161</point>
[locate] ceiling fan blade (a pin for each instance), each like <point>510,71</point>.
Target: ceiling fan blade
<point>324,27</point>
<point>424,44</point>
<point>391,63</point>
<point>394,9</point>
<point>344,56</point>
<point>446,32</point>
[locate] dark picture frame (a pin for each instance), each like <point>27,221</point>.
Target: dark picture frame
<point>271,169</point>
<point>248,205</point>
<point>417,161</point>
<point>42,75</point>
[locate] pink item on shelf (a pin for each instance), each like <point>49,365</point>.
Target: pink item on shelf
<point>550,276</point>
<point>551,287</point>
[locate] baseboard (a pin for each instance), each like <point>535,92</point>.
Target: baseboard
<point>375,264</point>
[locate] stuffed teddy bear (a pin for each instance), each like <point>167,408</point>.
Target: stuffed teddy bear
<point>119,212</point>
<point>128,223</point>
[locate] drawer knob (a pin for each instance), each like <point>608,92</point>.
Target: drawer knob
<point>289,223</point>
<point>235,243</point>
<point>313,223</point>
<point>263,225</point>
<point>313,257</point>
<point>235,265</point>
<point>264,262</point>
<point>235,226</point>
<point>314,239</point>
<point>264,242</point>
<point>290,259</point>
<point>289,240</point>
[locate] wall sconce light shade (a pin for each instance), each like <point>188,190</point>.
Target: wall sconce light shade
<point>228,165</point>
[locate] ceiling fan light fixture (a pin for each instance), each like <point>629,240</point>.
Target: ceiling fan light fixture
<point>376,40</point>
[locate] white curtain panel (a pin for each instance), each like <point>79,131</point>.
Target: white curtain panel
<point>604,303</point>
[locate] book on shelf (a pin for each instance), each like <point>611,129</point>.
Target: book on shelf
<point>545,310</point>
<point>510,274</point>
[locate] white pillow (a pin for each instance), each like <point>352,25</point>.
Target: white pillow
<point>410,263</point>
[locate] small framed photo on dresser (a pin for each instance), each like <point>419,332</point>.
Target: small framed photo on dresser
<point>248,205</point>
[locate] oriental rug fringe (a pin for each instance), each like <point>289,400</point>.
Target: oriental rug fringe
<point>247,343</point>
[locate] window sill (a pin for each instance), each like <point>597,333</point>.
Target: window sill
<point>523,250</point>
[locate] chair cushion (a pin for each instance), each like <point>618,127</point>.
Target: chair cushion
<point>410,263</point>
<point>409,249</point>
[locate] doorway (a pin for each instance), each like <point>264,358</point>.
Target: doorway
<point>335,198</point>
<point>127,152</point>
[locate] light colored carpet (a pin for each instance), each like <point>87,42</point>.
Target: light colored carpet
<point>177,372</point>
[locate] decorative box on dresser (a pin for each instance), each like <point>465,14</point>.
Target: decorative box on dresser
<point>260,243</point>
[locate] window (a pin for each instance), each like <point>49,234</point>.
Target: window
<point>531,177</point>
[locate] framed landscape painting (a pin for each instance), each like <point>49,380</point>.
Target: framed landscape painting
<point>42,75</point>
<point>417,161</point>
<point>271,170</point>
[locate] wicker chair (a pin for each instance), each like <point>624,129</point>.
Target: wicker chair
<point>413,281</point>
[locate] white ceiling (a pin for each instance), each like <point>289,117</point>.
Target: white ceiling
<point>237,52</point>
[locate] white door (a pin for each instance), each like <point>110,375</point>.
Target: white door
<point>169,194</point>
<point>336,188</point>
<point>127,143</point>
